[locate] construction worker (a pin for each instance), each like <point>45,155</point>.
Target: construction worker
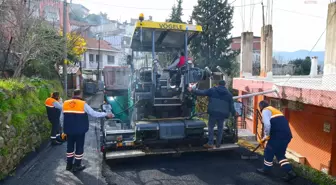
<point>219,108</point>
<point>75,125</point>
<point>278,135</point>
<point>54,109</point>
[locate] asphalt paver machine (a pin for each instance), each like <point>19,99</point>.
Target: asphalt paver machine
<point>154,111</point>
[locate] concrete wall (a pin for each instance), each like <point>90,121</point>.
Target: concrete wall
<point>329,70</point>
<point>266,51</point>
<point>246,54</point>
<point>309,138</point>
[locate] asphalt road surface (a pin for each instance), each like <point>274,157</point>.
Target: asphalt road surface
<point>224,168</point>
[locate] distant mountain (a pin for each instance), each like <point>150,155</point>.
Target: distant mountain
<point>286,56</point>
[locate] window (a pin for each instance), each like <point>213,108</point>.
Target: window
<point>91,57</point>
<point>97,58</point>
<point>276,104</point>
<point>249,107</point>
<point>110,59</point>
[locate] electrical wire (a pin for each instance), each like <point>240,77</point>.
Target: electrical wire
<point>291,11</point>
<point>322,33</point>
<point>147,8</point>
<point>316,41</point>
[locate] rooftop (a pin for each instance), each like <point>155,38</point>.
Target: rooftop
<point>93,43</point>
<point>319,90</point>
<point>306,82</point>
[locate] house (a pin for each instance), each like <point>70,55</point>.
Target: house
<point>236,43</point>
<point>79,8</point>
<point>110,56</point>
<point>52,11</point>
<point>309,103</point>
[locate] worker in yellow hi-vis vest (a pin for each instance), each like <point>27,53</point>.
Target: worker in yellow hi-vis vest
<point>278,135</point>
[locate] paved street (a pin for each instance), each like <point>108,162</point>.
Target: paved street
<point>225,168</point>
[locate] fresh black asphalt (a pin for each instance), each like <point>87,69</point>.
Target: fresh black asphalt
<point>221,168</point>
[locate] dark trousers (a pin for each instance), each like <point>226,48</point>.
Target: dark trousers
<point>211,124</point>
<point>75,148</point>
<point>278,149</point>
<point>55,130</point>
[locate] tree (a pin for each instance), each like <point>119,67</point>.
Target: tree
<point>76,46</point>
<point>35,45</point>
<point>302,66</point>
<point>212,47</point>
<point>176,14</point>
<point>46,65</point>
<point>31,36</point>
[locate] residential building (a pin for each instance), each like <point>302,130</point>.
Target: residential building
<point>52,11</point>
<point>236,43</point>
<point>79,8</point>
<point>90,59</point>
<point>308,102</point>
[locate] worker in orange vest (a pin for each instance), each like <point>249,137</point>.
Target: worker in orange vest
<point>76,124</point>
<point>54,108</point>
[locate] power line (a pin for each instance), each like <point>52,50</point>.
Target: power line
<point>318,40</point>
<point>310,15</point>
<point>148,8</point>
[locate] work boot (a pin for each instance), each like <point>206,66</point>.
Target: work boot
<point>78,168</point>
<point>69,167</point>
<point>263,171</point>
<point>208,146</point>
<point>289,176</point>
<point>218,145</point>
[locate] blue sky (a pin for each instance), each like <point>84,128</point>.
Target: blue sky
<point>296,25</point>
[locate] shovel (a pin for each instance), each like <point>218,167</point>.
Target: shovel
<point>252,154</point>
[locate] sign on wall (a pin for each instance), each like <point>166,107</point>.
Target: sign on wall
<point>326,127</point>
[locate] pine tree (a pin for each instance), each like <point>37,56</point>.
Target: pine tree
<point>212,47</point>
<point>176,14</point>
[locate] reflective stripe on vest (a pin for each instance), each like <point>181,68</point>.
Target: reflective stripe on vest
<point>49,102</point>
<point>74,106</point>
<point>275,112</point>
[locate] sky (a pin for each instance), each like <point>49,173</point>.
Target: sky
<point>296,24</point>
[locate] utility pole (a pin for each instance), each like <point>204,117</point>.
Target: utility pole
<point>99,59</point>
<point>65,56</point>
<point>264,36</point>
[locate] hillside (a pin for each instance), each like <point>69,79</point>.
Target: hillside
<point>286,56</point>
